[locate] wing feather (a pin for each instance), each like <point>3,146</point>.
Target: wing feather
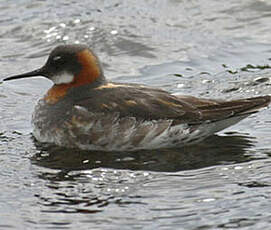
<point>132,100</point>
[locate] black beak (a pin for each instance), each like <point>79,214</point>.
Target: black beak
<point>37,72</point>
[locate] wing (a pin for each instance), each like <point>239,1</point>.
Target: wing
<point>132,100</point>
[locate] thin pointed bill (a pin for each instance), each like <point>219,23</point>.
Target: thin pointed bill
<point>35,73</point>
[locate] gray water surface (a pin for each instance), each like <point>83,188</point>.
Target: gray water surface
<point>213,49</point>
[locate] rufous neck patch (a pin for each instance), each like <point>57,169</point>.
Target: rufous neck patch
<point>89,73</point>
<point>90,67</point>
<point>55,93</point>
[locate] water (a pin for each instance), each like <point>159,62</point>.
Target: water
<point>202,48</point>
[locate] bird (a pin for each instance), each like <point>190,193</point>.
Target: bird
<point>84,110</point>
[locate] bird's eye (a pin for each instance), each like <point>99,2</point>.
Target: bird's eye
<point>56,58</point>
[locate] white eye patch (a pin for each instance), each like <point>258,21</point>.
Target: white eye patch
<point>62,78</point>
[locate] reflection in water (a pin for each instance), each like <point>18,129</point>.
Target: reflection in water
<point>87,181</point>
<point>213,151</point>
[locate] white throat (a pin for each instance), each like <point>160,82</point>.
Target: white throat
<point>62,78</point>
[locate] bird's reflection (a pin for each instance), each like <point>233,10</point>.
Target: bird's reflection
<point>213,151</point>
<point>87,181</point>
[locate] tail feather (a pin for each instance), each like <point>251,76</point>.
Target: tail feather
<point>227,109</point>
<point>223,114</point>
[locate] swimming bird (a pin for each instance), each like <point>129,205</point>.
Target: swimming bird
<point>84,110</point>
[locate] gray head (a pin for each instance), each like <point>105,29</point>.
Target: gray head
<point>67,64</point>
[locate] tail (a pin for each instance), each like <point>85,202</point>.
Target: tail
<point>220,110</point>
<point>226,113</point>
